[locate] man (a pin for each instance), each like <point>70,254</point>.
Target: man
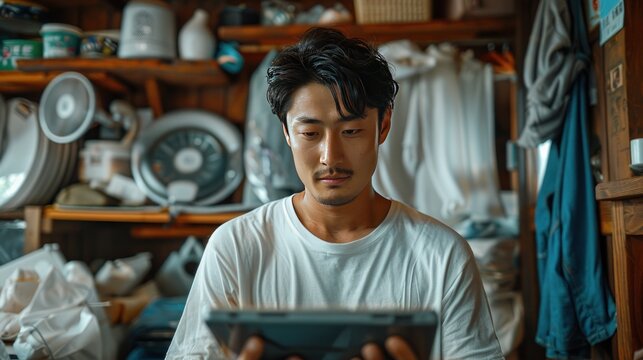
<point>338,243</point>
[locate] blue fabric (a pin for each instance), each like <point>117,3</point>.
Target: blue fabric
<point>151,334</point>
<point>576,306</point>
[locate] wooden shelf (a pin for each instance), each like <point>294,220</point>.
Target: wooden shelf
<point>17,81</point>
<point>471,31</point>
<point>620,189</point>
<point>118,4</point>
<point>136,71</point>
<point>120,76</point>
<point>12,215</point>
<point>159,216</point>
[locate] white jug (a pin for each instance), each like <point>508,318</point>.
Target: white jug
<point>196,41</point>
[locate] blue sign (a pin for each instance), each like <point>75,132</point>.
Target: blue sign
<point>612,13</point>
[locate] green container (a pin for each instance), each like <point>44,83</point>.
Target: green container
<point>60,40</point>
<point>14,49</point>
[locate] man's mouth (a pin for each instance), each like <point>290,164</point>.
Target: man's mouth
<point>333,177</point>
<point>335,180</point>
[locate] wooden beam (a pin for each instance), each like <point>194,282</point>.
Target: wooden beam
<point>620,189</point>
<point>33,216</point>
<point>154,98</point>
<point>621,283</point>
<point>158,232</point>
<point>467,31</point>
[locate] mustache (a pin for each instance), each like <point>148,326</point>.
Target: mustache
<point>332,172</point>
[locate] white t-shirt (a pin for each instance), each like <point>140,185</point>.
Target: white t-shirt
<point>267,259</point>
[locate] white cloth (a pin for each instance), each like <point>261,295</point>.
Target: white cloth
<point>416,161</point>
<point>267,259</point>
<point>479,167</point>
<point>440,154</point>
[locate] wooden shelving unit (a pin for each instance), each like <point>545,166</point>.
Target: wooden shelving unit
<point>469,31</point>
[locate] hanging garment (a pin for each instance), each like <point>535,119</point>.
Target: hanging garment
<point>576,306</point>
<point>440,154</point>
<point>550,70</point>
<point>413,165</point>
<point>269,164</point>
<point>443,125</point>
<point>476,87</point>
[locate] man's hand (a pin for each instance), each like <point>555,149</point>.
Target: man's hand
<point>397,347</point>
<point>252,350</point>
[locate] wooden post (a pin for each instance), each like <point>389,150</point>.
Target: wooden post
<point>33,216</point>
<point>154,97</point>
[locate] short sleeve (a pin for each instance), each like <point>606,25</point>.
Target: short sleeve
<point>467,327</point>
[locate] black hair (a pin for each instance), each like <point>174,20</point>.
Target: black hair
<point>354,71</point>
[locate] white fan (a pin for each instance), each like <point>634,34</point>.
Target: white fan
<point>68,108</point>
<point>188,157</point>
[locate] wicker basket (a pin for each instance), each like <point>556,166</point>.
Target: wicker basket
<point>389,11</point>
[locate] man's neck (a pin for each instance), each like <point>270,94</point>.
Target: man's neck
<point>342,223</point>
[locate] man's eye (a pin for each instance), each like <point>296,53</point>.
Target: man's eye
<point>308,134</point>
<point>352,132</point>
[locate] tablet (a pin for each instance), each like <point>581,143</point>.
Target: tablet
<point>324,335</point>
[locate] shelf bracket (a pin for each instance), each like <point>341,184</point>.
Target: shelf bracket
<point>153,91</point>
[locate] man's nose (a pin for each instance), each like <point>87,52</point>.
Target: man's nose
<point>332,152</point>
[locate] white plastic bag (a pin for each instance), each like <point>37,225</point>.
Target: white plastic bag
<point>119,277</point>
<point>58,323</point>
<point>17,292</point>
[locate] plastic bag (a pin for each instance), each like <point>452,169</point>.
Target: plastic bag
<point>177,273</point>
<point>58,323</point>
<point>119,277</point>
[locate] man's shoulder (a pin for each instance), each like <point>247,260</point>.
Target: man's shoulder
<point>414,219</point>
<point>259,220</point>
<point>264,212</point>
<point>430,233</point>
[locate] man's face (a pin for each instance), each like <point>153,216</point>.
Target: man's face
<point>335,158</point>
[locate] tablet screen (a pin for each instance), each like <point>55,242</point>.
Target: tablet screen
<point>324,335</point>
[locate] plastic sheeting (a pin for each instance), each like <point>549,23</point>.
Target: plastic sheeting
<point>52,311</point>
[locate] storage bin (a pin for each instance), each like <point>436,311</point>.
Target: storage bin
<point>389,11</point>
<point>60,40</point>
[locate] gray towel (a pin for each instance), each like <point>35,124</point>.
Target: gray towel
<point>550,69</point>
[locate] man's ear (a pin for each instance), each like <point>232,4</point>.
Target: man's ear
<point>286,134</point>
<point>385,126</point>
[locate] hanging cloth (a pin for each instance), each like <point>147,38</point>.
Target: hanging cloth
<point>479,167</point>
<point>576,307</point>
<point>439,156</point>
<point>550,70</point>
<point>414,164</point>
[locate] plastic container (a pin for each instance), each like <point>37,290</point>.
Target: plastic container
<point>101,159</point>
<point>99,44</point>
<point>14,49</point>
<point>147,30</point>
<point>60,40</point>
<point>21,9</point>
<point>196,41</point>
